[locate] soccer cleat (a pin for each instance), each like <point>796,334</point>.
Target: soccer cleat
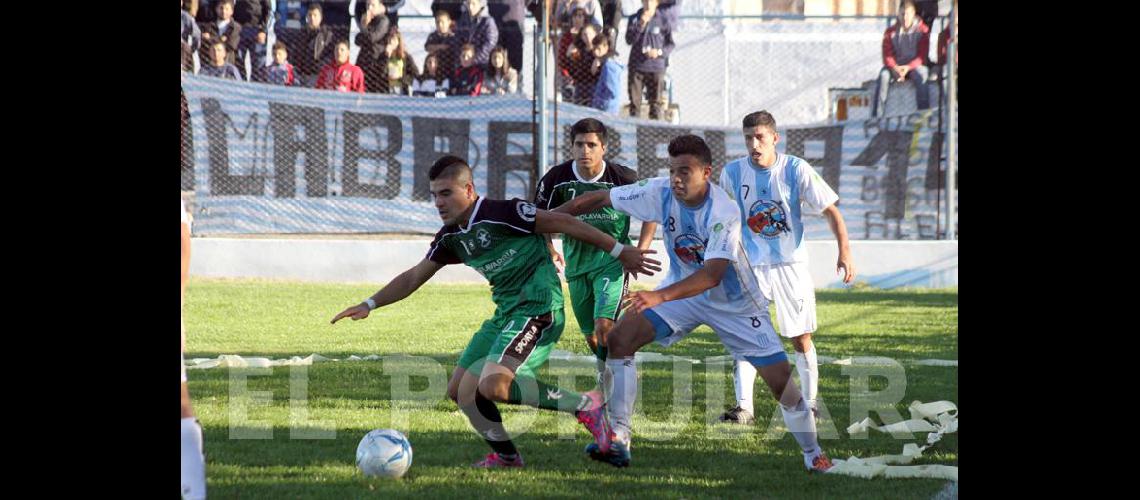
<point>738,415</point>
<point>496,461</point>
<point>619,455</point>
<point>594,418</point>
<point>820,463</point>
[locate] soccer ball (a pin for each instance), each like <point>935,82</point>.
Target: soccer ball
<point>384,453</point>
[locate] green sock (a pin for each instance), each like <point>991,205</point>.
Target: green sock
<point>549,397</point>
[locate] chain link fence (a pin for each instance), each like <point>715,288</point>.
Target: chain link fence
<point>264,158</point>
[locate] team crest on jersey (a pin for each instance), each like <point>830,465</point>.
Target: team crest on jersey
<point>345,76</point>
<point>768,218</point>
<point>484,238</point>
<point>526,211</point>
<point>690,249</point>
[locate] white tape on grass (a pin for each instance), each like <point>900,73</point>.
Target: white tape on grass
<point>938,418</point>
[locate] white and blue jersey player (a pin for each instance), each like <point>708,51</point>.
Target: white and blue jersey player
<point>709,282</point>
<point>772,191</point>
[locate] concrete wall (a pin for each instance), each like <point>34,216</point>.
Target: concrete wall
<point>884,264</point>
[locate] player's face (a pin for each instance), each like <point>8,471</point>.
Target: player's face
<point>452,198</point>
<point>341,53</point>
<point>314,18</point>
<point>279,56</point>
<point>689,178</point>
<point>467,58</point>
<point>443,23</point>
<point>589,150</point>
<point>761,142</point>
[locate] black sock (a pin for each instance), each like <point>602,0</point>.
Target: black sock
<point>490,411</point>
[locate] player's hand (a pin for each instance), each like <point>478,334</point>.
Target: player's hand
<point>847,265</point>
<point>559,262</point>
<point>357,313</point>
<point>634,261</point>
<point>641,301</point>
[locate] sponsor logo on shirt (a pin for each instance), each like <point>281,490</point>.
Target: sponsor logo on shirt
<point>768,219</point>
<point>690,249</point>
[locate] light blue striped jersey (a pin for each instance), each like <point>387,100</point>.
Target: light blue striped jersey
<point>694,235</point>
<point>770,202</point>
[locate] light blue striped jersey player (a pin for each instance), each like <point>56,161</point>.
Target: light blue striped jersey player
<point>771,200</point>
<point>694,235</point>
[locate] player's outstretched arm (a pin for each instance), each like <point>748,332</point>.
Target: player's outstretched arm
<point>633,259</point>
<point>586,203</point>
<point>395,291</point>
<point>839,229</point>
<point>559,262</point>
<point>705,278</point>
<point>648,229</point>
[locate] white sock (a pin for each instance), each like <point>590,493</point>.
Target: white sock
<point>802,426</point>
<point>193,463</point>
<point>624,372</point>
<point>605,382</point>
<point>808,368</point>
<point>602,378</point>
<point>744,380</point>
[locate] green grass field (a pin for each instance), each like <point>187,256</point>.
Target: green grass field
<point>677,452</point>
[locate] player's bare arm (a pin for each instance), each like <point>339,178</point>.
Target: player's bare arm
<point>589,202</point>
<point>705,278</point>
<point>633,259</point>
<point>648,229</point>
<point>554,255</point>
<point>839,229</point>
<point>399,288</point>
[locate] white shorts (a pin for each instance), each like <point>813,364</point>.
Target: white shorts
<point>746,336</point>
<point>790,287</point>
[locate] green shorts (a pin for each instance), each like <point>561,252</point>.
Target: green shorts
<point>520,343</point>
<point>597,295</point>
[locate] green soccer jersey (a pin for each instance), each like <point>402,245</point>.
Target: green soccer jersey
<point>562,184</point>
<point>500,243</point>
